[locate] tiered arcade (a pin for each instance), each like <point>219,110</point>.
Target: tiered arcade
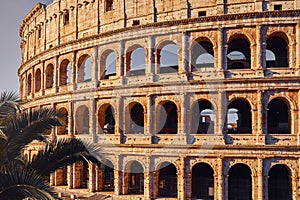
<point>189,99</point>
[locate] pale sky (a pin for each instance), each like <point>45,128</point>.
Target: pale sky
<point>12,13</point>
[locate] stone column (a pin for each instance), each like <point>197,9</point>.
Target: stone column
<point>120,63</point>
<point>74,70</point>
<point>119,126</point>
<point>148,178</point>
<point>54,129</point>
<point>150,60</point>
<point>149,116</point>
<point>71,132</point>
<point>71,176</point>
<point>56,74</point>
<point>218,185</point>
<point>260,52</point>
<point>95,65</point>
<point>52,179</point>
<point>260,179</point>
<point>185,49</point>
<point>93,120</point>
<point>220,113</point>
<point>92,177</point>
<point>188,179</point>
<point>181,180</point>
<point>182,122</point>
<point>298,45</point>
<point>260,137</point>
<point>42,79</point>
<point>220,59</point>
<point>118,176</point>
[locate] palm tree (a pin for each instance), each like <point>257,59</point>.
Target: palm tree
<point>20,178</point>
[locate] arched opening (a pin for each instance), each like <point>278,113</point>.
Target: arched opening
<point>63,130</point>
<point>168,58</point>
<point>135,176</point>
<point>202,182</point>
<point>239,54</point>
<point>49,76</point>
<point>82,175</point>
<point>66,18</point>
<point>202,55</point>
<point>84,73</point>
<point>279,117</point>
<point>109,5</point>
<point>239,182</point>
<point>108,176</point>
<point>239,119</point>
<point>279,183</point>
<point>61,176</point>
<point>38,78</point>
<point>64,73</point>
<point>202,118</point>
<point>29,83</point>
<point>277,52</point>
<point>136,61</point>
<point>136,118</point>
<point>167,180</point>
<point>110,65</point>
<point>168,118</point>
<point>106,119</point>
<point>82,120</point>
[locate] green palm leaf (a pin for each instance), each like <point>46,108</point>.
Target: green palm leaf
<point>25,127</point>
<point>18,183</point>
<point>65,152</point>
<point>9,104</point>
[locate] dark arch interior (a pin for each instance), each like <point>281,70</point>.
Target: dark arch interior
<point>108,176</point>
<point>38,79</point>
<point>137,119</point>
<point>167,183</point>
<point>109,122</point>
<point>239,118</point>
<point>64,73</point>
<point>136,178</point>
<point>198,51</point>
<point>202,118</point>
<point>168,120</point>
<point>49,76</point>
<point>279,183</point>
<point>278,117</point>
<point>238,54</point>
<point>82,120</point>
<point>240,183</point>
<point>202,182</point>
<point>279,48</point>
<point>168,58</point>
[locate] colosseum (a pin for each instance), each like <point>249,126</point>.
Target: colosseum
<point>189,99</point>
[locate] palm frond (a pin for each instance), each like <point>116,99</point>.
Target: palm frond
<point>19,182</point>
<point>26,127</point>
<point>9,104</point>
<point>65,152</point>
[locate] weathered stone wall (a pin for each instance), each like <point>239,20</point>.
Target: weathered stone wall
<point>92,31</point>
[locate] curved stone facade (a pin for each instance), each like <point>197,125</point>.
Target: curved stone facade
<point>189,99</point>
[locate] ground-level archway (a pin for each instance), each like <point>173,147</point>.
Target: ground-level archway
<point>279,183</point>
<point>167,180</point>
<point>202,182</point>
<point>239,183</point>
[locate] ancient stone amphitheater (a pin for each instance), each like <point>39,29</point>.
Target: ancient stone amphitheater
<point>190,99</point>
